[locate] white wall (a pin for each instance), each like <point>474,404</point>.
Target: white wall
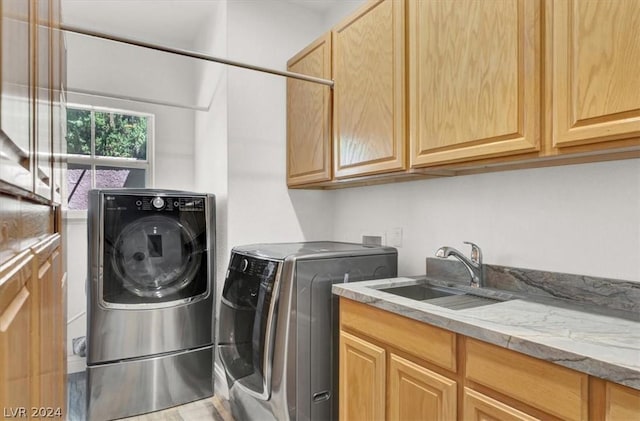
<point>241,141</point>
<point>210,158</point>
<point>100,66</point>
<point>582,219</point>
<point>260,207</point>
<point>76,298</point>
<point>339,10</point>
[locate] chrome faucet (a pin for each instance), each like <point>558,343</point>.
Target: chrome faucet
<point>473,264</point>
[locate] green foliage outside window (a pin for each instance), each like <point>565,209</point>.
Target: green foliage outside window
<point>78,131</point>
<point>116,135</point>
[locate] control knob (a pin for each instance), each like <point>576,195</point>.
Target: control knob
<point>157,202</point>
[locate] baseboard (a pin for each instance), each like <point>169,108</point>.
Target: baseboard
<point>76,364</point>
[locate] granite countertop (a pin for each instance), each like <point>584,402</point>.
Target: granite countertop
<point>601,342</point>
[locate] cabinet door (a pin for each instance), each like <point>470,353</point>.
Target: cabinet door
<point>15,338</point>
<point>596,59</point>
<point>362,379</point>
<point>622,403</point>
<point>43,97</point>
<point>51,347</point>
<point>309,116</point>
<point>478,407</point>
<point>369,92</point>
<point>416,393</point>
<point>526,379</point>
<point>15,94</point>
<point>58,57</point>
<point>474,79</point>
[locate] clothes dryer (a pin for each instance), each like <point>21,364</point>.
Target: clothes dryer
<point>149,300</point>
<point>278,333</point>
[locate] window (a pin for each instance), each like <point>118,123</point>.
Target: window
<point>106,149</point>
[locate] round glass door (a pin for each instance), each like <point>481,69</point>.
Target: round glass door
<point>156,257</point>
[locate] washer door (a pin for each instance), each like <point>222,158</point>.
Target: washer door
<point>152,258</point>
<point>156,257</point>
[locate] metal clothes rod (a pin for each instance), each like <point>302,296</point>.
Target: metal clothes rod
<point>193,54</point>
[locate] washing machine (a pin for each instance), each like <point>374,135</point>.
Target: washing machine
<point>278,325</point>
<point>150,300</point>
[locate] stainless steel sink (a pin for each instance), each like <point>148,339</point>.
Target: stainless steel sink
<point>441,296</point>
<point>463,301</point>
<point>421,292</point>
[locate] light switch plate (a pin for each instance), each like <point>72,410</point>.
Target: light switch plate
<point>395,237</point>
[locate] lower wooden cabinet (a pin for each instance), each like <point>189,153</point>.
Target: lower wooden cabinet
<point>621,403</point>
<point>417,393</point>
<point>51,354</point>
<point>16,342</point>
<point>383,376</point>
<point>377,382</point>
<point>362,379</point>
<point>548,387</point>
<point>33,331</point>
<point>479,407</point>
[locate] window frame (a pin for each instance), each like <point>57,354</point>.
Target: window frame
<point>94,160</point>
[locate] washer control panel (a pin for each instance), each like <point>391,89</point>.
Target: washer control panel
<point>157,202</point>
<point>154,203</point>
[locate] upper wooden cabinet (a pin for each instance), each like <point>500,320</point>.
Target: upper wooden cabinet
<point>474,79</point>
<point>489,84</point>
<point>43,99</point>
<point>59,117</point>
<point>32,65</point>
<point>15,94</point>
<point>309,116</point>
<point>369,92</point>
<point>596,63</point>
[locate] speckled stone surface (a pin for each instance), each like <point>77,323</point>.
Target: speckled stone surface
<point>601,342</point>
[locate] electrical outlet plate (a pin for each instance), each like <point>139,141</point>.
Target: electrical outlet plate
<point>374,238</point>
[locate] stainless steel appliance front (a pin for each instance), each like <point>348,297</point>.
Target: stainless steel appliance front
<point>278,325</point>
<point>149,300</point>
<point>149,384</point>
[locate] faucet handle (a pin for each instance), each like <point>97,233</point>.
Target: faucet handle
<point>476,253</point>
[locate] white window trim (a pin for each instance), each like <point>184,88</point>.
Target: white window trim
<point>94,161</point>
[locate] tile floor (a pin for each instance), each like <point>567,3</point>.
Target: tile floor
<point>206,409</point>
